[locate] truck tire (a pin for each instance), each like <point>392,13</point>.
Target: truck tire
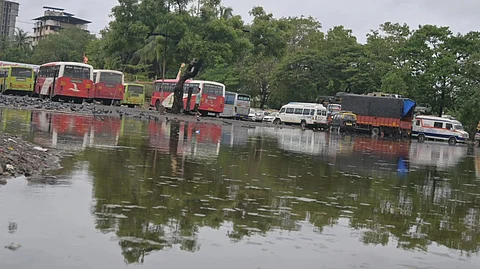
<point>421,138</point>
<point>375,131</point>
<point>452,141</point>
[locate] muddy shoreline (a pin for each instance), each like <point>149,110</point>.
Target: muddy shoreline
<point>21,158</point>
<point>36,104</point>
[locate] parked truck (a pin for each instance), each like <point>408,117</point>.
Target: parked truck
<point>381,115</point>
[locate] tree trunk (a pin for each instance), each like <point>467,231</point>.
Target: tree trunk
<point>192,71</point>
<point>189,98</point>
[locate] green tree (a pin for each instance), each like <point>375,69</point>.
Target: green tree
<point>66,45</point>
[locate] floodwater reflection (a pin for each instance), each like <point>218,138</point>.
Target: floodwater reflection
<point>262,197</point>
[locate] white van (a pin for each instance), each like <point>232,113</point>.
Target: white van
<point>305,114</point>
<point>438,128</point>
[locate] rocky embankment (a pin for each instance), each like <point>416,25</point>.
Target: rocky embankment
<point>21,158</point>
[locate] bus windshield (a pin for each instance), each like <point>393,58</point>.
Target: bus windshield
<point>20,72</point>
<point>135,89</point>
<point>212,89</point>
<point>243,98</point>
<point>110,78</point>
<point>73,71</point>
<point>458,127</point>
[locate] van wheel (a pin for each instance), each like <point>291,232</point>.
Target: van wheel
<point>375,131</point>
<point>277,121</point>
<point>157,106</point>
<point>303,124</point>
<point>452,141</point>
<point>421,138</point>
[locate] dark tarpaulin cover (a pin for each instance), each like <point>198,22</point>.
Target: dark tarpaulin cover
<point>377,106</point>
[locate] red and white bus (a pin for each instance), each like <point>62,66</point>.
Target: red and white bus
<point>212,95</point>
<point>65,80</point>
<point>109,87</point>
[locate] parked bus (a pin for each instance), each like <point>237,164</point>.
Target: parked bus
<point>65,80</point>
<point>17,79</point>
<point>212,95</point>
<point>134,95</point>
<point>237,105</point>
<point>33,66</point>
<point>109,87</point>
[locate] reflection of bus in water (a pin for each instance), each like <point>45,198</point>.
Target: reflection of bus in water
<point>234,135</point>
<point>74,131</point>
<point>198,140</point>
<point>16,121</point>
<point>436,154</point>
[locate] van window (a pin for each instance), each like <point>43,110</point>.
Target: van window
<point>289,110</point>
<point>312,112</point>
<point>324,113</point>
<point>306,112</point>
<point>438,124</point>
<point>449,126</point>
<point>282,110</point>
<point>298,111</point>
<point>418,123</point>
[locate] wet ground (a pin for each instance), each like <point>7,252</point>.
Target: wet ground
<point>174,194</point>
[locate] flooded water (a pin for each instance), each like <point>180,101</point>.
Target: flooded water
<point>202,195</point>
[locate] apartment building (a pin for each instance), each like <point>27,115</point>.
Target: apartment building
<point>53,20</point>
<point>8,17</point>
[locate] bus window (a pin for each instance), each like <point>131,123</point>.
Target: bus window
<point>289,110</point>
<point>230,99</point>
<point>167,86</point>
<point>418,122</point>
<point>298,111</point>
<point>449,126</point>
<point>94,77</point>
<point>282,110</point>
<point>212,89</point>
<point>76,72</point>
<point>135,89</point>
<point>110,78</point>
<point>243,98</point>
<point>324,113</point>
<point>21,72</point>
<point>438,124</point>
<point>306,112</point>
<point>48,71</point>
<point>312,112</point>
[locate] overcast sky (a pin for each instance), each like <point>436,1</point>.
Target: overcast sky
<point>359,15</point>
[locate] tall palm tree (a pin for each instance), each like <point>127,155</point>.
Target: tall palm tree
<point>20,39</point>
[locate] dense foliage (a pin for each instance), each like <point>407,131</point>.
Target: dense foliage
<point>276,60</point>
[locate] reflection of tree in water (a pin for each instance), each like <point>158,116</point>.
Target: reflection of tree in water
<point>151,204</point>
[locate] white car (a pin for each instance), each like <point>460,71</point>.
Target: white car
<point>259,115</point>
<point>251,114</point>
<point>270,117</point>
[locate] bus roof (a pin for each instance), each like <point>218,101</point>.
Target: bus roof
<point>133,84</point>
<point>168,80</point>
<point>67,63</point>
<point>110,71</point>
